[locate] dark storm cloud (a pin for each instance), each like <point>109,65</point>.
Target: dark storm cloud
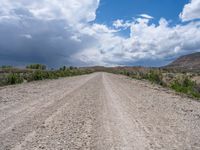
<point>30,40</point>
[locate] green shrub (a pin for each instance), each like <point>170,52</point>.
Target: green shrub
<point>155,77</point>
<point>40,74</point>
<point>36,66</point>
<point>186,86</point>
<point>71,68</point>
<point>36,75</point>
<point>14,78</point>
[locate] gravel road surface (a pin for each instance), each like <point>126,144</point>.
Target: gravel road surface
<point>100,111</point>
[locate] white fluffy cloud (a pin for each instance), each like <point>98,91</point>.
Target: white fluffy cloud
<point>71,10</point>
<point>121,24</point>
<point>147,42</point>
<point>58,32</point>
<point>191,11</point>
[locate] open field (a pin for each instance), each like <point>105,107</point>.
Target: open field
<point>97,111</point>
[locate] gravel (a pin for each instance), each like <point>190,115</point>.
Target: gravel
<point>100,111</point>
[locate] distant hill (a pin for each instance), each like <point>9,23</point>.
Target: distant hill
<point>119,69</point>
<point>186,62</point>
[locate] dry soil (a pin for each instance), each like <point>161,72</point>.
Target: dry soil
<point>99,111</point>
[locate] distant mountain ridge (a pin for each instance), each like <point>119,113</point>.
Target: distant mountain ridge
<point>187,62</point>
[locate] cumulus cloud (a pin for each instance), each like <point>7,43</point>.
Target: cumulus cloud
<point>148,44</point>
<point>45,31</point>
<point>119,23</point>
<point>52,9</point>
<point>60,32</point>
<point>191,11</point>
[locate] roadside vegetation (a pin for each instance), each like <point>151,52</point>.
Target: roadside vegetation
<point>36,66</point>
<point>186,86</point>
<point>10,75</point>
<point>181,82</point>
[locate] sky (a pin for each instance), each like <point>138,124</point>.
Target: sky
<point>98,32</point>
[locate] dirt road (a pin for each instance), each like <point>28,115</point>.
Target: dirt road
<point>99,111</point>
